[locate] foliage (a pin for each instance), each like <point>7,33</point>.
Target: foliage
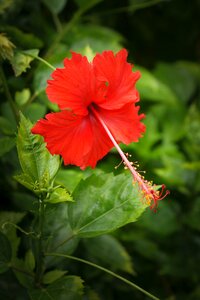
<point>97,214</point>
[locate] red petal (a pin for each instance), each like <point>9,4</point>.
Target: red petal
<point>72,87</point>
<point>117,73</point>
<point>124,123</point>
<point>80,140</point>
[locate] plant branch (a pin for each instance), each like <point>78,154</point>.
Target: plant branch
<point>105,270</point>
<point>39,246</point>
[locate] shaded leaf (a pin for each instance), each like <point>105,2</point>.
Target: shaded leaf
<point>6,126</point>
<point>6,144</point>
<point>108,251</point>
<point>9,230</point>
<point>5,253</point>
<point>104,203</point>
<point>66,288</point>
<point>29,260</point>
<point>85,3</point>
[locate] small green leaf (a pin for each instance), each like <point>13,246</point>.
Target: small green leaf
<point>35,159</point>
<point>29,260</point>
<point>5,253</point>
<point>68,288</point>
<point>52,276</point>
<point>6,144</point>
<point>59,195</point>
<point>22,97</point>
<point>25,180</point>
<point>55,6</point>
<point>69,178</point>
<point>106,250</point>
<point>104,203</point>
<point>21,60</point>
<point>22,273</point>
<point>35,111</point>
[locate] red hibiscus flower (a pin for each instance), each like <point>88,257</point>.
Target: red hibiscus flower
<point>84,91</point>
<point>98,111</point>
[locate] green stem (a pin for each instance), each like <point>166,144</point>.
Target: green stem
<point>8,95</point>
<point>40,59</point>
<point>39,246</point>
<point>105,270</point>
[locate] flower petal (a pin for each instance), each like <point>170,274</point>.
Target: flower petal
<point>117,73</point>
<point>124,123</point>
<point>80,140</point>
<point>72,87</point>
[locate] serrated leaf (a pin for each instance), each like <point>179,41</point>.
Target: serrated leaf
<point>67,288</point>
<point>52,276</point>
<point>21,60</point>
<point>6,144</point>
<point>104,203</point>
<point>5,253</point>
<point>55,6</point>
<point>59,195</point>
<point>34,158</point>
<point>25,180</point>
<point>107,251</point>
<point>29,260</point>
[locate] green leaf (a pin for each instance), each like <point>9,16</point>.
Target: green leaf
<point>55,6</point>
<point>5,253</point>
<point>151,88</point>
<point>177,78</point>
<point>29,260</point>
<point>52,276</point>
<point>21,60</point>
<point>35,159</point>
<point>6,144</point>
<point>22,273</point>
<point>22,97</point>
<point>68,288</point>
<point>59,195</point>
<point>6,126</point>
<point>107,250</point>
<point>104,203</point>
<point>69,178</point>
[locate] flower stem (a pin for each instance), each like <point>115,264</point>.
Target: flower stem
<point>105,270</point>
<point>39,247</point>
<point>8,95</point>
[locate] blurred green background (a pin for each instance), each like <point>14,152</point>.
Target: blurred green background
<point>163,40</point>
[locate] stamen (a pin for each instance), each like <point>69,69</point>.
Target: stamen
<point>146,187</point>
